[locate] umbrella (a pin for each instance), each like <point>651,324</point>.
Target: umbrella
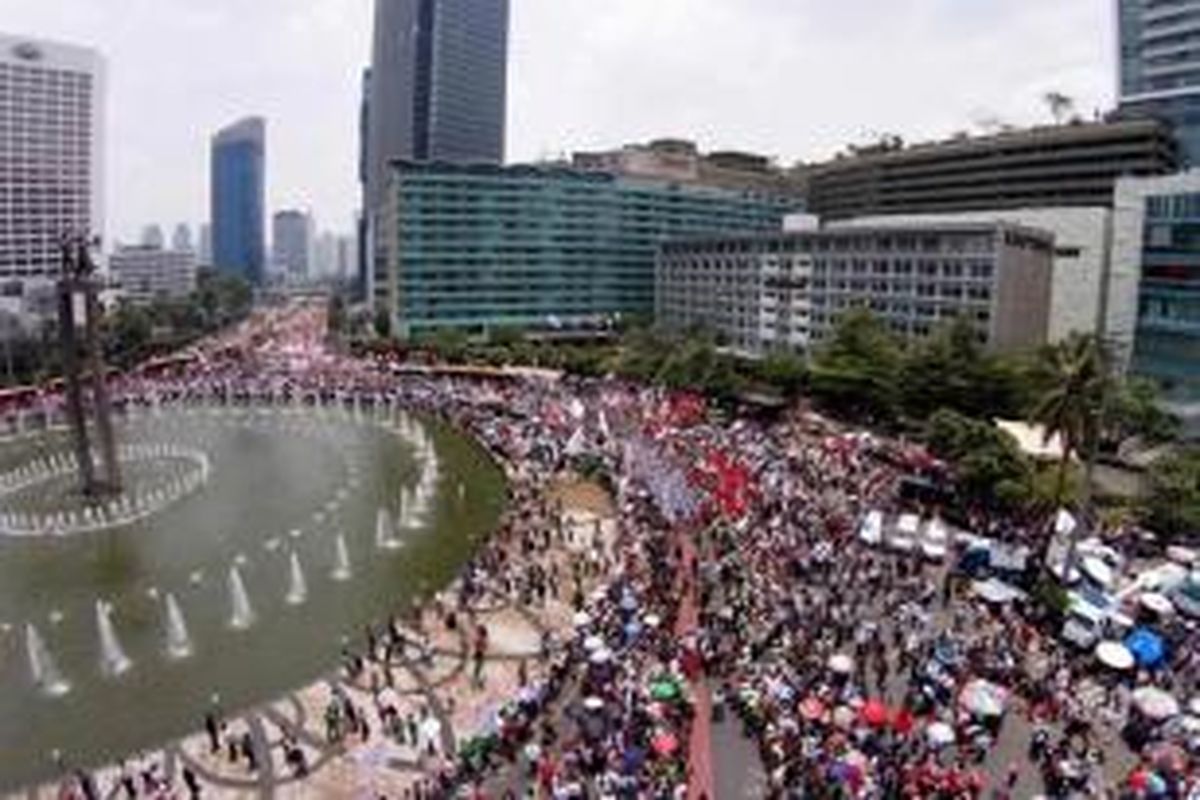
<point>665,690</point>
<point>665,744</point>
<point>983,698</point>
<point>1193,706</point>
<point>1158,603</point>
<point>841,663</point>
<point>996,591</point>
<point>593,643</point>
<point>1115,656</point>
<point>843,717</point>
<point>1147,647</point>
<point>582,619</point>
<point>811,708</point>
<point>593,703</point>
<point>652,620</point>
<point>903,722</point>
<point>1096,569</point>
<point>1154,703</point>
<point>601,656</point>
<point>874,713</point>
<point>940,734</point>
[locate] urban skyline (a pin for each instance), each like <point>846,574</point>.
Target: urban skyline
<point>631,76</point>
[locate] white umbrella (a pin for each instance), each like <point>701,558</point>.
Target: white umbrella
<point>652,620</point>
<point>996,591</point>
<point>593,643</point>
<point>1114,655</point>
<point>593,703</point>
<point>1158,603</point>
<point>582,619</point>
<point>1182,555</point>
<point>844,716</point>
<point>940,734</point>
<point>983,698</point>
<point>1154,703</point>
<point>841,663</point>
<point>1096,569</point>
<point>1193,706</point>
<point>601,656</point>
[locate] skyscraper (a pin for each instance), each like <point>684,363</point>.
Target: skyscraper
<point>51,153</point>
<point>181,239</point>
<point>436,89</point>
<point>237,198</point>
<point>292,243</point>
<point>1160,66</point>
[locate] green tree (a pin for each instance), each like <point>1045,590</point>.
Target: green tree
<point>951,369</point>
<point>1173,506</point>
<point>1078,385</point>
<point>783,370</point>
<point>382,324</point>
<point>989,466</point>
<point>857,372</point>
<point>1135,409</point>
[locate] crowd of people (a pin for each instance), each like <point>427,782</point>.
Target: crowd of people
<point>734,568</point>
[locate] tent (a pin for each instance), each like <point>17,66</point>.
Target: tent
<point>1147,647</point>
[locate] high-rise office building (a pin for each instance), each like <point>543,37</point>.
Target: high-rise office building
<point>436,89</point>
<point>51,154</point>
<point>237,198</point>
<point>292,243</point>
<point>181,239</point>
<point>1160,66</point>
<point>204,257</point>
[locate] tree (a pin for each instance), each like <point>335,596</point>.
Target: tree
<point>988,464</point>
<point>1173,507</point>
<point>382,324</point>
<point>784,370</point>
<point>1059,104</point>
<point>950,369</point>
<point>857,372</point>
<point>1078,384</point>
<point>1135,410</point>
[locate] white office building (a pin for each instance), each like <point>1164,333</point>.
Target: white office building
<point>145,273</point>
<point>1083,286</point>
<point>51,155</point>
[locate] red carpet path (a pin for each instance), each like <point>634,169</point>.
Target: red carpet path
<point>700,787</point>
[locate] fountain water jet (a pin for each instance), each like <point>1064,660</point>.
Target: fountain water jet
<point>242,615</point>
<point>179,644</point>
<point>113,660</point>
<point>41,665</point>
<point>297,586</point>
<point>341,564</point>
<point>385,534</point>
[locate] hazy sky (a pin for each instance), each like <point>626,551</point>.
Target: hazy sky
<point>795,79</point>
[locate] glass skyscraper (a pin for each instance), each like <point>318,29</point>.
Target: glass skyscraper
<point>480,246</point>
<point>237,199</point>
<point>436,89</point>
<point>1160,66</point>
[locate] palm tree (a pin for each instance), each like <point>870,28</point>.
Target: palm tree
<point>1060,105</point>
<point>1077,379</point>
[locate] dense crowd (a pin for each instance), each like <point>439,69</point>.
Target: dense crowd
<point>734,568</point>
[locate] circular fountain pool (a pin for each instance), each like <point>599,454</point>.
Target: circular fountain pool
<point>248,544</point>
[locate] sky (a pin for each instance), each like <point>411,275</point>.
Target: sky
<point>793,79</point>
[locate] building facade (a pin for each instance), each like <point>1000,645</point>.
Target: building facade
<point>785,291</point>
<point>436,89</point>
<point>1159,58</point>
<point>681,161</point>
<point>475,247</point>
<point>237,199</point>
<point>292,243</point>
<point>1156,241</point>
<point>52,99</point>
<point>1081,284</point>
<point>1063,165</point>
<point>146,273</point>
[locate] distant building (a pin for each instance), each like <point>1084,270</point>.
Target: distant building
<point>1156,253</point>
<point>1064,165</point>
<point>347,257</point>
<point>52,99</point>
<point>436,89</point>
<point>1081,285</point>
<point>1160,67</point>
<point>145,273</point>
<point>152,236</point>
<point>237,199</point>
<point>325,255</point>
<point>681,161</point>
<point>786,291</point>
<point>292,243</point>
<point>204,256</point>
<point>181,239</point>
<point>475,247</point>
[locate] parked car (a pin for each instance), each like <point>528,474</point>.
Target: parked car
<point>935,540</point>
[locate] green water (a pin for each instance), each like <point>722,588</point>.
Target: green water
<point>316,472</point>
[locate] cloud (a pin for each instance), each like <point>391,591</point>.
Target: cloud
<point>797,79</point>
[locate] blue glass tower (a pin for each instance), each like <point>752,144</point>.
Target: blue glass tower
<point>1160,66</point>
<point>237,199</point>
